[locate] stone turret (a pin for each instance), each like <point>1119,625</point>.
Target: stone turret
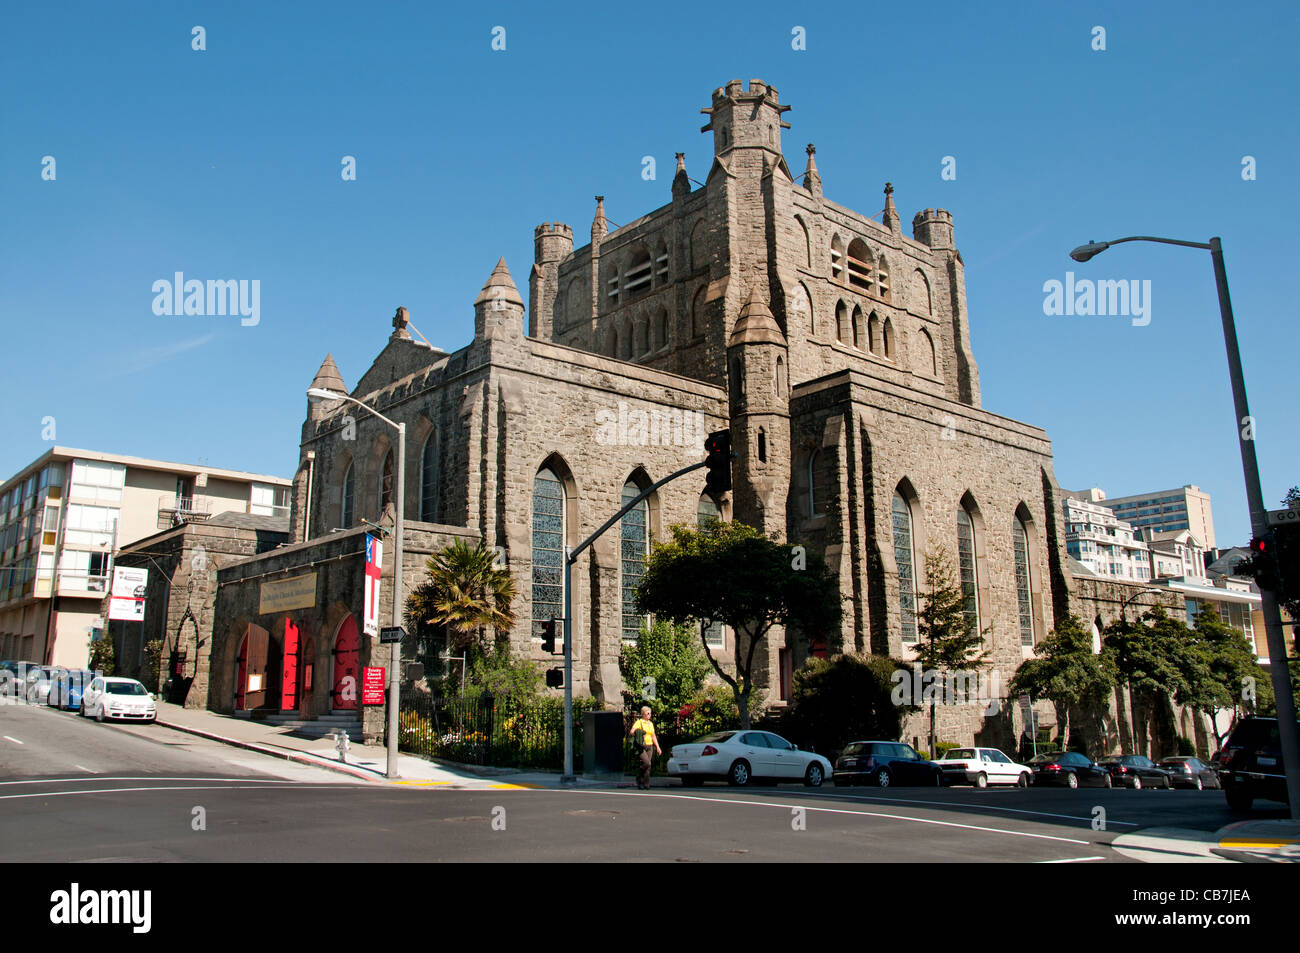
<point>681,181</point>
<point>552,243</point>
<point>933,227</point>
<point>328,378</point>
<point>745,118</point>
<point>498,309</point>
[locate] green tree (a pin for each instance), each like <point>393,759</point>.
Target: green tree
<point>949,638</point>
<point>464,593</point>
<point>103,656</point>
<point>732,573</point>
<point>1066,672</point>
<point>514,682</point>
<point>1223,673</point>
<point>669,654</point>
<point>1153,661</point>
<point>845,698</point>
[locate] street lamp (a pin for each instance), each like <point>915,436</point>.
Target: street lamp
<point>1288,731</point>
<point>395,648</point>
<point>1141,592</point>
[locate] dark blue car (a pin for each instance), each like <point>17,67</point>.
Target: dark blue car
<point>67,686</point>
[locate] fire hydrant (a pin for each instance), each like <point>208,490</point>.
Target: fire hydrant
<point>341,744</point>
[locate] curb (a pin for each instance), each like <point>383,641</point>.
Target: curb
<point>273,752</point>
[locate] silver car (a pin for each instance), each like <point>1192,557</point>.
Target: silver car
<point>122,699</point>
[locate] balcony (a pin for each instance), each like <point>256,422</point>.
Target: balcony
<point>74,583</point>
<point>175,510</point>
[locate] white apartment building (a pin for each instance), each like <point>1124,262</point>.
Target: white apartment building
<point>63,516</point>
<point>1108,546</point>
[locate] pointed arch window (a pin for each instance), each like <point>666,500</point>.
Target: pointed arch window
<point>635,543</point>
<point>1024,591</point>
<point>861,265</point>
<point>548,548</point>
<point>429,478</point>
<point>349,497</point>
<point>887,339</point>
<point>873,333</point>
<point>858,330</point>
<point>966,566</point>
<point>714,635</point>
<point>905,560</point>
<point>843,332</point>
<point>386,482</point>
<point>837,259</point>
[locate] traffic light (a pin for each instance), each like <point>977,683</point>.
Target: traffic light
<point>548,636</point>
<point>555,678</point>
<point>718,446</point>
<point>1263,562</point>
<point>1286,553</point>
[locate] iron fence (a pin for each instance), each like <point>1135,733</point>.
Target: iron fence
<point>483,730</point>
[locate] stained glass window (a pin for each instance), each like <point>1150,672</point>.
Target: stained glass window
<point>1021,541</point>
<point>966,565</point>
<point>635,542</point>
<point>548,548</point>
<point>903,557</point>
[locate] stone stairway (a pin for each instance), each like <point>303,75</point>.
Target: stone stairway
<point>322,726</point>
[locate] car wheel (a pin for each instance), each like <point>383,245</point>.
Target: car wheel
<point>99,715</point>
<point>1167,784</point>
<point>1024,779</point>
<point>882,778</point>
<point>1200,785</point>
<point>1072,780</point>
<point>815,776</point>
<point>938,779</point>
<point>1137,784</point>
<point>82,711</point>
<point>739,774</point>
<point>981,780</point>
<point>1238,799</point>
<point>1109,782</point>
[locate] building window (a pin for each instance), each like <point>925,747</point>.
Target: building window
<point>842,330</point>
<point>637,278</point>
<point>819,484</point>
<point>548,548</point>
<point>386,483</point>
<point>1023,589</point>
<point>905,560</point>
<point>349,496</point>
<point>873,333</point>
<point>928,361</point>
<point>707,511</point>
<point>966,566</point>
<point>837,259</point>
<point>428,478</point>
<point>860,265</point>
<point>762,445</point>
<point>635,542</point>
<point>887,340</point>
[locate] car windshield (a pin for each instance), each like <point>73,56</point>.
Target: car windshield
<point>1046,758</point>
<point>125,688</point>
<point>718,736</point>
<point>953,754</point>
<point>858,747</point>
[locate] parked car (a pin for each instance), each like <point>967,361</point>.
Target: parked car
<point>120,698</point>
<point>1136,771</point>
<point>1071,769</point>
<point>1187,772</point>
<point>12,678</point>
<point>982,767</point>
<point>1253,764</point>
<point>884,763</point>
<point>740,757</point>
<point>67,688</point>
<point>38,684</point>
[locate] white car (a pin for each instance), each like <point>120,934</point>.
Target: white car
<point>982,767</point>
<point>124,699</point>
<point>739,757</point>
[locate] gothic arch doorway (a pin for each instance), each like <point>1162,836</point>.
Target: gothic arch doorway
<point>347,666</point>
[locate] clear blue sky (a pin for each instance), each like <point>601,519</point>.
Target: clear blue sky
<point>225,164</point>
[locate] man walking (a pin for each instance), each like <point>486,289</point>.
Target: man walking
<point>646,745</point>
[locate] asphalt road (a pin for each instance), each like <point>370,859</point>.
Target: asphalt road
<point>74,790</point>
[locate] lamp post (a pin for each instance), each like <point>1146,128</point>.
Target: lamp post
<point>1141,592</point>
<point>1288,732</point>
<point>395,648</point>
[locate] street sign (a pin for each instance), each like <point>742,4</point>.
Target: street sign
<point>1287,517</point>
<point>372,686</point>
<point>392,633</point>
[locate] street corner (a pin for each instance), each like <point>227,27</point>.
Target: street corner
<point>1271,840</point>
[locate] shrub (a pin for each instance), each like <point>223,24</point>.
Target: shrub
<point>669,654</point>
<point>711,709</point>
<point>842,699</point>
<point>103,657</point>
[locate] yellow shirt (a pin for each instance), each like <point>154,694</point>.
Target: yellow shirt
<point>648,728</point>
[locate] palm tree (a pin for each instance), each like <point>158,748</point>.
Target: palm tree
<point>465,592</point>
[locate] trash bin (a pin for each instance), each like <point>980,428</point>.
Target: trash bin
<point>602,743</point>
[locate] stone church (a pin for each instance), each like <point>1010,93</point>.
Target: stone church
<point>834,347</point>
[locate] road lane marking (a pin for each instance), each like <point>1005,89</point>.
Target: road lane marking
<point>834,810</point>
<point>1070,860</point>
<point>84,768</point>
<point>188,787</point>
<point>14,740</point>
<point>982,807</point>
<point>84,780</point>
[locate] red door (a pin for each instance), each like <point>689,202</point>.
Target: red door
<point>289,670</point>
<point>347,662</point>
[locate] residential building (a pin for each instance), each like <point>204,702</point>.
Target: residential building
<point>64,515</point>
<point>1107,546</point>
<point>1169,510</point>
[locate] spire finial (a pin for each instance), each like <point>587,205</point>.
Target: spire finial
<point>812,180</point>
<point>599,224</point>
<point>890,215</point>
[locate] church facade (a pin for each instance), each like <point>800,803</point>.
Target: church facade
<point>833,346</point>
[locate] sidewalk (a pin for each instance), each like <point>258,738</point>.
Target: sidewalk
<point>364,762</point>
